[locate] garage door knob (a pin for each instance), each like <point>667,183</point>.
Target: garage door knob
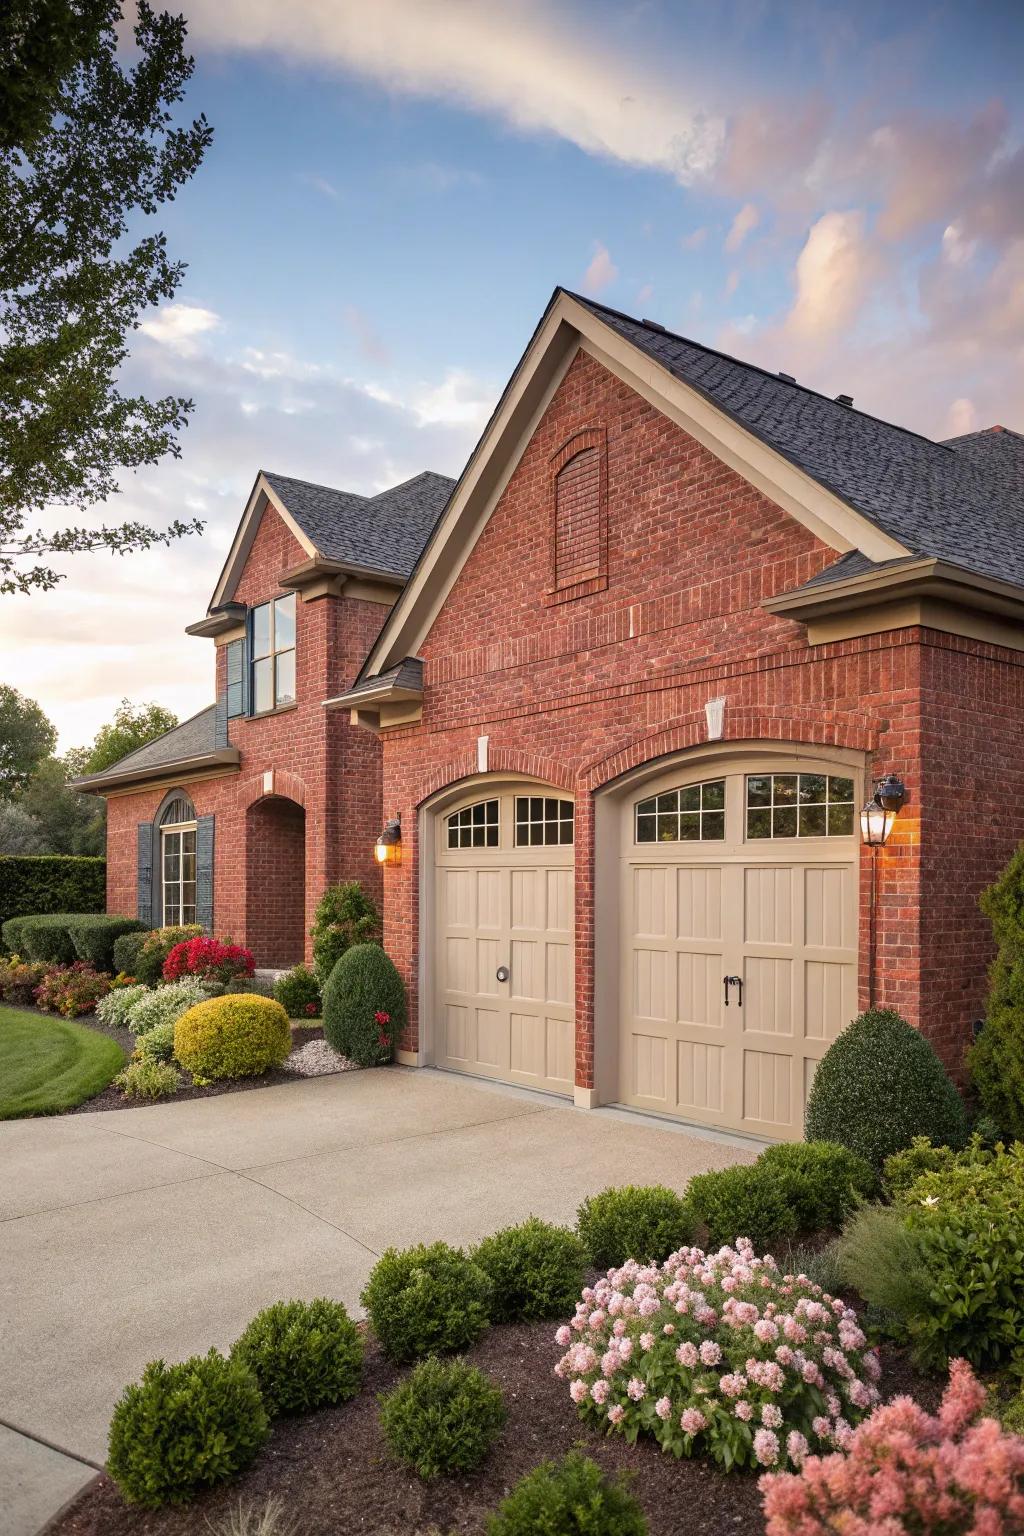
<point>502,973</point>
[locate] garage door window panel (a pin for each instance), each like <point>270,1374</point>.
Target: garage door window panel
<point>543,821</point>
<point>694,813</point>
<point>788,805</point>
<point>475,826</point>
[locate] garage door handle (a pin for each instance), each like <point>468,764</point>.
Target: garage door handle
<point>733,981</point>
<point>502,973</point>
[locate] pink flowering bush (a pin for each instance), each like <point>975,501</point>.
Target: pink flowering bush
<point>719,1354</point>
<point>208,960</point>
<point>908,1474</point>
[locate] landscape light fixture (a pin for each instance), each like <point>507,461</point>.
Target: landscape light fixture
<point>388,847</point>
<point>878,815</point>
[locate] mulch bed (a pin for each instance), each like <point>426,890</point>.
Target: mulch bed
<point>334,1472</point>
<point>113,1098</point>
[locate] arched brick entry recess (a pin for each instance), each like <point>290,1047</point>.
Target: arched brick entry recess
<point>275,880</point>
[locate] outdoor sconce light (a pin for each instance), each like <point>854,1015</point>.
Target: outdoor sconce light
<point>388,847</point>
<point>878,815</point>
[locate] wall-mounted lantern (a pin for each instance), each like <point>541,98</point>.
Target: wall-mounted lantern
<point>388,847</point>
<point>878,815</point>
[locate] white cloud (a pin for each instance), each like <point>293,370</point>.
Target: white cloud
<point>459,400</point>
<point>523,64</point>
<point>962,417</point>
<point>746,220</point>
<point>833,273</point>
<point>695,239</point>
<point>955,249</point>
<point>601,271</point>
<point>180,326</point>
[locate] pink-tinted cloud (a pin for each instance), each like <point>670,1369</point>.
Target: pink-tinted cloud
<point>601,271</point>
<point>746,221</point>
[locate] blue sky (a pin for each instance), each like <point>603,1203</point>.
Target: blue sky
<point>394,189</point>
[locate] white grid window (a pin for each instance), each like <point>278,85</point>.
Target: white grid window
<point>178,862</point>
<point>475,826</point>
<point>542,820</point>
<point>694,813</point>
<point>799,805</point>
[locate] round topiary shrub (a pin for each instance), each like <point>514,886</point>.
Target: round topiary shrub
<point>536,1270</point>
<point>126,952</point>
<point>184,1427</point>
<point>364,1005</point>
<point>571,1497</point>
<point>344,916</point>
<point>426,1300</point>
<point>443,1418</point>
<point>298,992</point>
<point>304,1355</point>
<point>234,1036</point>
<point>878,1086</point>
<point>636,1221</point>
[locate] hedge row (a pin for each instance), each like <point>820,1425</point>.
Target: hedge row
<point>50,883</point>
<point>61,938</point>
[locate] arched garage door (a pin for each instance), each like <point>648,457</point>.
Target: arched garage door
<point>504,932</point>
<point>738,962</point>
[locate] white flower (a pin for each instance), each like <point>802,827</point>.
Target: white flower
<point>930,1200</point>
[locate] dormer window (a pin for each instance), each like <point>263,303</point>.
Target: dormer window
<point>273,654</point>
<point>579,553</point>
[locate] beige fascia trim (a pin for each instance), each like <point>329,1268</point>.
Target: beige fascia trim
<point>343,573</point>
<point>226,636</point>
<point>223,761</point>
<point>568,328</point>
<point>924,592</point>
<point>261,497</point>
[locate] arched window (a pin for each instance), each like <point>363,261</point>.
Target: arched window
<point>178,861</point>
<point>579,539</point>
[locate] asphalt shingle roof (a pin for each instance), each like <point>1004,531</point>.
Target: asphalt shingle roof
<point>960,501</point>
<point>385,532</point>
<point>192,738</point>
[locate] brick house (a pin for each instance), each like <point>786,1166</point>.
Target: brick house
<point>673,623</point>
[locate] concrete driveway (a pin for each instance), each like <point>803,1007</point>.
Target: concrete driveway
<point>159,1231</point>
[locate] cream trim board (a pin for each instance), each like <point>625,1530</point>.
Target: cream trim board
<point>929,613</point>
<point>170,781</point>
<point>260,498</point>
<point>568,327</point>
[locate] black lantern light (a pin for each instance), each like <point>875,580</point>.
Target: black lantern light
<point>878,815</point>
<point>388,847</point>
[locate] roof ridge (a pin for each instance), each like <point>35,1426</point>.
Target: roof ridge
<point>434,474</point>
<point>316,485</point>
<point>658,329</point>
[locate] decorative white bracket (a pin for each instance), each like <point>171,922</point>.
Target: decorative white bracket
<point>481,753</point>
<point>714,709</point>
<point>268,782</point>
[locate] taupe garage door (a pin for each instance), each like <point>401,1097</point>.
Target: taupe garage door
<point>739,913</point>
<point>504,920</point>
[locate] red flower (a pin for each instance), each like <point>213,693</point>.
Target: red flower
<point>311,1008</point>
<point>208,958</point>
<point>380,1017</point>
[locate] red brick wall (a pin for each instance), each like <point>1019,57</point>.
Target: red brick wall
<point>576,694</point>
<point>325,765</point>
<point>275,836</point>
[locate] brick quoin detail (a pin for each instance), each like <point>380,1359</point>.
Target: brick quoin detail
<point>580,693</point>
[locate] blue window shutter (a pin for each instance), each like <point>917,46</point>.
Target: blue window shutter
<point>220,718</point>
<point>234,677</point>
<point>144,872</point>
<point>204,871</point>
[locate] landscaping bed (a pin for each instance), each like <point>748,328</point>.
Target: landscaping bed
<point>334,1472</point>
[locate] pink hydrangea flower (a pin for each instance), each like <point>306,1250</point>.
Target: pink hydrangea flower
<point>766,1447</point>
<point>710,1352</point>
<point>599,1392</point>
<point>663,1407</point>
<point>616,1413</point>
<point>647,1341</point>
<point>686,1354</point>
<point>563,1337</point>
<point>577,1390</point>
<point>692,1421</point>
<point>796,1447</point>
<point>636,1389</point>
<point>743,1410</point>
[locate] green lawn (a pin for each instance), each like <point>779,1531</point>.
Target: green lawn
<point>49,1064</point>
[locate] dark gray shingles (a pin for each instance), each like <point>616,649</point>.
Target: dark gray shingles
<point>937,499</point>
<point>406,674</point>
<point>381,533</point>
<point>192,738</point>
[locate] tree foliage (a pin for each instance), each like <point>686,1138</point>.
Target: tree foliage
<point>26,738</point>
<point>87,147</point>
<point>132,726</point>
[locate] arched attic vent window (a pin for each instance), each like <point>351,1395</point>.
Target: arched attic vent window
<point>579,517</point>
<point>178,810</point>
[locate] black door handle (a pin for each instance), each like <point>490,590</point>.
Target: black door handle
<point>733,981</point>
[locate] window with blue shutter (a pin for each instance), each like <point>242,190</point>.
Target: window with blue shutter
<point>144,873</point>
<point>235,675</point>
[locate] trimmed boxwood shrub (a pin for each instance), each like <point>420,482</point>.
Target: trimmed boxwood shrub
<point>185,1427</point>
<point>878,1086</point>
<point>364,1005</point>
<point>94,938</point>
<point>426,1300</point>
<point>344,916</point>
<point>234,1036</point>
<point>996,1059</point>
<point>298,993</point>
<point>443,1418</point>
<point>635,1221</point>
<point>795,1187</point>
<point>536,1270</point>
<point>126,952</point>
<point>48,937</point>
<point>304,1354</point>
<point>31,884</point>
<point>571,1497</point>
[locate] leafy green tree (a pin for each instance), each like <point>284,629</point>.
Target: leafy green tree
<point>26,738</point>
<point>19,832</point>
<point>68,821</point>
<point>86,149</point>
<point>131,727</point>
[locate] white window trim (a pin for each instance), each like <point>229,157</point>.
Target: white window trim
<point>177,828</point>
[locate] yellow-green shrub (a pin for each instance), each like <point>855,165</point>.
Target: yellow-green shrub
<point>239,1035</point>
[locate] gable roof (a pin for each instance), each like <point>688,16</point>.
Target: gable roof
<point>384,532</point>
<point>193,742</point>
<point>961,500</point>
<point>865,486</point>
<point>377,536</point>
